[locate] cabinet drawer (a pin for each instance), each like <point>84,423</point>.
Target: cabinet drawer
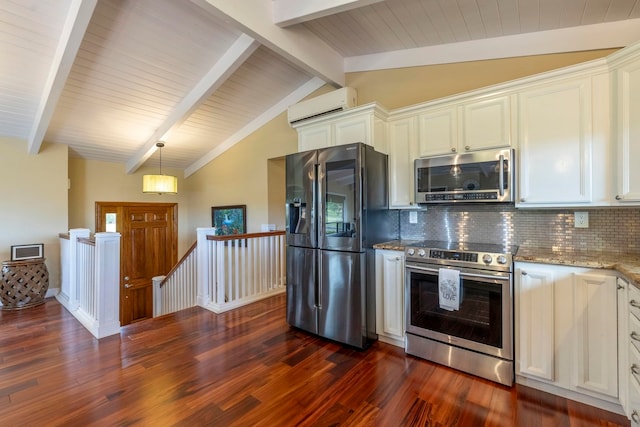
<point>634,331</point>
<point>634,301</point>
<point>634,385</point>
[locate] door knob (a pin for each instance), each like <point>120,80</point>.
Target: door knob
<point>127,286</point>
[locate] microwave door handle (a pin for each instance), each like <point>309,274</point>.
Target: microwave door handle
<point>501,175</point>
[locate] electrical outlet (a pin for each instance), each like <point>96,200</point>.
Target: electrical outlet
<point>581,219</point>
<point>413,217</point>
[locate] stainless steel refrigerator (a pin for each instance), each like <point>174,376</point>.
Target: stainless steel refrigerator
<point>336,205</point>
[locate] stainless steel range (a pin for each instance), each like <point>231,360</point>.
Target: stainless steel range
<point>459,306</point>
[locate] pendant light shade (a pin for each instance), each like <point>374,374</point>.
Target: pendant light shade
<point>160,184</point>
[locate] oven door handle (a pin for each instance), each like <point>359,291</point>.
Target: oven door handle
<point>479,276</point>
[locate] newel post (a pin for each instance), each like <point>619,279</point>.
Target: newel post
<point>70,295</point>
<point>204,265</point>
<point>107,281</point>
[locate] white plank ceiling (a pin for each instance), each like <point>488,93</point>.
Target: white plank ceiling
<point>110,78</point>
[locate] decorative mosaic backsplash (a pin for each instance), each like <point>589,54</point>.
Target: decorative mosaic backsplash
<point>612,230</point>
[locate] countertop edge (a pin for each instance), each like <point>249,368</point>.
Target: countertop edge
<point>627,265</point>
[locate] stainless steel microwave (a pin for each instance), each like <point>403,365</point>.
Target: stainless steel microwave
<point>485,176</point>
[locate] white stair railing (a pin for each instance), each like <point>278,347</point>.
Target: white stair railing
<point>90,273</point>
<point>178,289</point>
<point>240,269</point>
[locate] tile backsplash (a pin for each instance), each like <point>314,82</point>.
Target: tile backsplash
<point>610,229</point>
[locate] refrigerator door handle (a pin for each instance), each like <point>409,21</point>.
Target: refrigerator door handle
<point>318,283</point>
<point>315,215</point>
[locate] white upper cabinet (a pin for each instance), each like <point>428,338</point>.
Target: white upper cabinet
<point>487,124</point>
<point>403,137</point>
<point>365,124</point>
<point>468,126</point>
<point>438,131</point>
<point>314,137</point>
<point>627,128</point>
<point>564,140</point>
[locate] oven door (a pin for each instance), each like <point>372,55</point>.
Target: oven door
<point>484,320</point>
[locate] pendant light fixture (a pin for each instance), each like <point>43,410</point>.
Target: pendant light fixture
<point>160,184</point>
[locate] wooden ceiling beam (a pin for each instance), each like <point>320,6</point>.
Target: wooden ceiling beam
<point>291,12</point>
<point>75,26</point>
<point>233,58</point>
<point>299,46</point>
<point>271,113</point>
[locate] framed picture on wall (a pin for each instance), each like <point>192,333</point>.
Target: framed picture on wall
<point>229,219</point>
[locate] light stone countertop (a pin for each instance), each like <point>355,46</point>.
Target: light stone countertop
<point>395,245</point>
<point>626,264</point>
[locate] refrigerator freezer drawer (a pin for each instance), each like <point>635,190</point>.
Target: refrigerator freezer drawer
<point>342,312</point>
<point>301,289</point>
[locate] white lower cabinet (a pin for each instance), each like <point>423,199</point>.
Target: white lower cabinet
<point>566,332</point>
<point>390,296</point>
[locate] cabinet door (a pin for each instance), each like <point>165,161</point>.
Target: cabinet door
<point>595,323</point>
<point>402,147</point>
<point>555,144</point>
<point>389,296</point>
<point>314,137</point>
<point>487,124</point>
<point>353,129</point>
<point>534,298</point>
<point>628,135</point>
<point>437,132</point>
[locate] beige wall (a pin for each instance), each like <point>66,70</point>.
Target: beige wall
<point>34,200</point>
<point>402,87</point>
<point>240,176</point>
<point>94,181</point>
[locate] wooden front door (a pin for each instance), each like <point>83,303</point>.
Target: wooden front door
<point>148,248</point>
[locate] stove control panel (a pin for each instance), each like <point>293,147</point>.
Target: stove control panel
<point>453,255</point>
<point>481,256</point>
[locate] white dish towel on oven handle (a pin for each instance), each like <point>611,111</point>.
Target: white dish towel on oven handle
<point>449,289</point>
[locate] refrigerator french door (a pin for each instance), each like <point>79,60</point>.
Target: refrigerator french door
<point>327,289</point>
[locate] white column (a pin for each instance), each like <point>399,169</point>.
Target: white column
<point>157,295</point>
<point>205,266</point>
<point>72,296</point>
<point>107,284</point>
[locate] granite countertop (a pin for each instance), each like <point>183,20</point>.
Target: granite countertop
<point>395,245</point>
<point>626,264</point>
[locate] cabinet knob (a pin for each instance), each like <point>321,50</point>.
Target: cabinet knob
<point>620,287</point>
<point>453,149</point>
<point>522,200</point>
<point>635,417</point>
<point>618,197</point>
<point>524,273</point>
<point>466,147</point>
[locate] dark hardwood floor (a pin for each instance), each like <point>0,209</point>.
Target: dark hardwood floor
<point>244,368</point>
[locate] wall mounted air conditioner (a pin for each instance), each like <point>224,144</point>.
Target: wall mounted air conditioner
<point>338,100</point>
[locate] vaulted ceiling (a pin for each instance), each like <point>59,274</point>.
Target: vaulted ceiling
<point>110,78</point>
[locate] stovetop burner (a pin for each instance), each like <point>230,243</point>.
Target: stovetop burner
<point>479,255</point>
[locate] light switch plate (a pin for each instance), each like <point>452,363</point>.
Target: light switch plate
<point>581,219</point>
<point>413,217</point>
